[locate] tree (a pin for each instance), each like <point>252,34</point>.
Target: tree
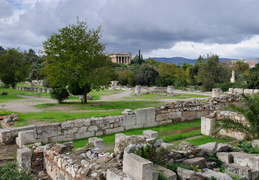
<point>13,68</point>
<point>59,94</point>
<point>146,76</point>
<point>75,54</point>
<point>253,77</point>
<point>249,108</point>
<point>240,66</point>
<point>211,72</point>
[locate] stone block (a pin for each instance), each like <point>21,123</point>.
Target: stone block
<point>185,174</point>
<point>256,91</point>
<point>203,112</point>
<point>246,160</point>
<point>84,135</point>
<point>145,116</point>
<point>24,159</point>
<point>66,125</point>
<point>142,168</point>
<point>225,157</point>
<point>129,120</point>
<point>115,174</point>
<point>216,175</point>
<point>255,143</point>
<point>198,161</point>
<point>170,89</point>
<point>175,115</point>
<point>97,142</point>
<point>15,131</point>
<point>216,92</point>
<point>246,172</point>
<point>114,130</point>
<point>151,134</point>
<point>248,91</point>
<point>6,136</point>
<point>50,130</point>
<point>189,115</point>
<point>239,91</point>
<point>170,175</point>
<point>209,147</point>
<point>92,128</point>
<point>26,137</point>
<point>207,126</point>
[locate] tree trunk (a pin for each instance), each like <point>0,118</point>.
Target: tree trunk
<point>85,98</point>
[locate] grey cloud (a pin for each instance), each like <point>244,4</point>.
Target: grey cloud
<point>130,25</point>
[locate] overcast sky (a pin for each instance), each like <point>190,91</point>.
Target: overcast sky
<point>164,28</point>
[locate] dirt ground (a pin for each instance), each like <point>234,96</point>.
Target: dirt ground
<point>26,105</point>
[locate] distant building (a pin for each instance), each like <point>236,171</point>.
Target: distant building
<point>121,58</point>
<point>251,63</point>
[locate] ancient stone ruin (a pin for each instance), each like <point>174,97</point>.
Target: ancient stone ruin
<point>141,157</point>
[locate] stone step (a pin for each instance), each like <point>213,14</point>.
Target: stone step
<point>242,171</point>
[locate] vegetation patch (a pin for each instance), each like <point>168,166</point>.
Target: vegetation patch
<point>159,96</point>
<point>162,130</point>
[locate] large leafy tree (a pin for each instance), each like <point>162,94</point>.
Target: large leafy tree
<point>13,68</point>
<point>75,54</point>
<point>146,76</point>
<point>211,72</point>
<point>249,108</point>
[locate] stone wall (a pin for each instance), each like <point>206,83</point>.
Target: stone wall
<point>35,89</point>
<point>208,124</point>
<point>179,111</point>
<point>242,91</point>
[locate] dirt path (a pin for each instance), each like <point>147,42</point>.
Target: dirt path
<point>116,97</point>
<point>26,105</point>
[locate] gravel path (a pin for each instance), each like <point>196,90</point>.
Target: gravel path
<point>26,105</point>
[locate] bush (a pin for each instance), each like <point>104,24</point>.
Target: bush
<point>10,172</point>
<point>4,93</point>
<point>59,94</point>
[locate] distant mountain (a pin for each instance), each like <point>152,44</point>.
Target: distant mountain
<point>180,60</point>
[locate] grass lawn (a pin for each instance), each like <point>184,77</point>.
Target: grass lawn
<point>159,96</point>
<point>165,132</point>
<point>15,92</point>
<point>8,98</point>
<point>105,105</point>
<point>206,139</point>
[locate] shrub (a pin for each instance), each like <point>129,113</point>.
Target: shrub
<point>10,171</point>
<point>4,93</point>
<point>59,94</point>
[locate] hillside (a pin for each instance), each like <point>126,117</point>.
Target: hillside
<point>181,60</point>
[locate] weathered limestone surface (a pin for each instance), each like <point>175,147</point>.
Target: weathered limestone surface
<point>248,173</point>
<point>138,167</point>
<point>207,126</point>
<point>246,160</point>
<point>26,137</point>
<point>170,175</point>
<point>24,159</point>
<point>198,161</point>
<point>216,92</point>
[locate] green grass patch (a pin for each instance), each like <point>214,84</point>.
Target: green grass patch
<point>8,98</point>
<point>96,95</point>
<point>206,139</point>
<point>105,105</point>
<point>15,92</point>
<point>162,130</point>
<point>159,96</point>
<point>55,117</point>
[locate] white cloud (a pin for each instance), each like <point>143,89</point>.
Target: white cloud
<point>245,49</point>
